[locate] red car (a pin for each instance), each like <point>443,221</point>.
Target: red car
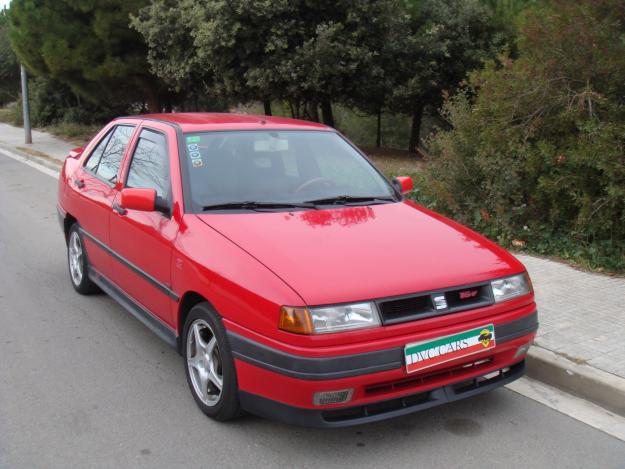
<point>297,282</point>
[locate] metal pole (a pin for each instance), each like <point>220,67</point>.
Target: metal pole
<point>28,137</point>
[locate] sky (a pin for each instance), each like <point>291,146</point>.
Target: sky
<point>4,3</point>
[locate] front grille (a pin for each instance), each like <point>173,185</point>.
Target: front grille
<point>395,311</point>
<point>435,303</point>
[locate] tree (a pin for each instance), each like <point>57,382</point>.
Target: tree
<point>88,45</point>
<point>343,52</point>
<point>447,39</point>
<point>9,67</point>
<point>308,53</point>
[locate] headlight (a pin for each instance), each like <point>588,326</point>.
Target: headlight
<point>329,318</point>
<point>511,287</point>
<point>345,317</point>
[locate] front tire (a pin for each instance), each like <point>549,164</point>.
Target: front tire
<point>77,263</point>
<point>209,365</point>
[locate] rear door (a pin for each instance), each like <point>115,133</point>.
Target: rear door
<point>145,239</point>
<point>96,185</point>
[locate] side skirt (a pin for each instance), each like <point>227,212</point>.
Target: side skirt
<point>163,331</point>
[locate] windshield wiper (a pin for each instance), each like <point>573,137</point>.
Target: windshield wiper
<point>348,200</point>
<point>251,205</point>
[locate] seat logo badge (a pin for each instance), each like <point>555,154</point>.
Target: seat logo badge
<point>440,302</point>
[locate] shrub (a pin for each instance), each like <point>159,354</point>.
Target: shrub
<point>53,103</point>
<point>537,148</point>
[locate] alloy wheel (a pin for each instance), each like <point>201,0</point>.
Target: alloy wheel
<point>75,258</point>
<point>204,362</point>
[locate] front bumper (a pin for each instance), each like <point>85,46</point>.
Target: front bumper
<point>356,415</point>
<point>280,386</point>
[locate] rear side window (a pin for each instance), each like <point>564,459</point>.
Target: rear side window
<point>149,168</point>
<point>107,156</point>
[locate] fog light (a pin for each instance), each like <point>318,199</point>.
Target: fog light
<point>333,397</point>
<point>522,350</point>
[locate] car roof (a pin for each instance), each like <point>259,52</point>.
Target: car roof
<point>206,121</point>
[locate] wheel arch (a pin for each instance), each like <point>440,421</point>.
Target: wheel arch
<point>68,221</point>
<point>187,302</point>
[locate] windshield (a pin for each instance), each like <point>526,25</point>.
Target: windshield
<point>278,167</point>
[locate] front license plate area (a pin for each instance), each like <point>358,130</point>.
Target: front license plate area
<point>432,352</point>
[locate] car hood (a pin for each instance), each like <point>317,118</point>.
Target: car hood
<point>358,253</point>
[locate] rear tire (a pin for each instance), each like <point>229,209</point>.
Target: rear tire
<point>77,263</point>
<point>209,365</point>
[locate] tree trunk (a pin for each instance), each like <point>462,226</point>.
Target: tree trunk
<point>294,109</point>
<point>311,110</point>
<point>378,138</point>
<point>154,105</point>
<point>326,112</point>
<point>415,131</point>
<point>267,105</point>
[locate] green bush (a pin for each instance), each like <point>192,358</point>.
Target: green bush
<point>537,150</point>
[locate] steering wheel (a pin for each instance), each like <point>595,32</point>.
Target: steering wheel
<point>320,181</point>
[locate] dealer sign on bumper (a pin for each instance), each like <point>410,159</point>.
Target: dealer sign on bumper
<point>422,355</point>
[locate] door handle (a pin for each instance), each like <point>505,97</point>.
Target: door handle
<point>79,183</point>
<point>119,209</point>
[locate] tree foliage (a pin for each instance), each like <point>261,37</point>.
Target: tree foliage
<point>9,67</point>
<point>307,53</point>
<point>86,44</point>
<point>539,154</point>
<point>447,39</point>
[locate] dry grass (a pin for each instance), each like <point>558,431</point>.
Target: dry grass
<point>39,154</point>
<point>77,134</point>
<point>395,162</point>
<point>7,115</point>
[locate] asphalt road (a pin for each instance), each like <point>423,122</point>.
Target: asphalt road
<point>83,384</point>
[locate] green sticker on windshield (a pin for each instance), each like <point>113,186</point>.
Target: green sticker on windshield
<point>193,139</point>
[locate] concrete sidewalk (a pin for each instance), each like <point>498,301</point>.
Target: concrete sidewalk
<point>580,345</point>
<point>44,144</point>
<point>582,315</point>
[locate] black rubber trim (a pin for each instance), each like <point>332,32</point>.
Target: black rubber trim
<point>346,366</point>
<point>517,328</point>
<point>285,413</point>
<point>163,331</point>
<point>309,368</point>
<point>162,287</point>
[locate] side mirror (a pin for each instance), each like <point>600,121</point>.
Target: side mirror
<point>138,199</point>
<point>403,184</point>
<point>75,153</point>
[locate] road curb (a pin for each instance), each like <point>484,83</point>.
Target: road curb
<point>604,389</point>
<point>47,162</point>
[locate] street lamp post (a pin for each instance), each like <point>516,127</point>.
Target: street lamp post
<point>28,138</point>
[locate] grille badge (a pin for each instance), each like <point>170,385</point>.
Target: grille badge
<point>440,302</point>
<point>466,294</point>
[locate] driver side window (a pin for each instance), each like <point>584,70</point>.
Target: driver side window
<point>149,168</point>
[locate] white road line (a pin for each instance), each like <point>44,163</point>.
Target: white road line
<point>30,162</point>
<point>575,407</point>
